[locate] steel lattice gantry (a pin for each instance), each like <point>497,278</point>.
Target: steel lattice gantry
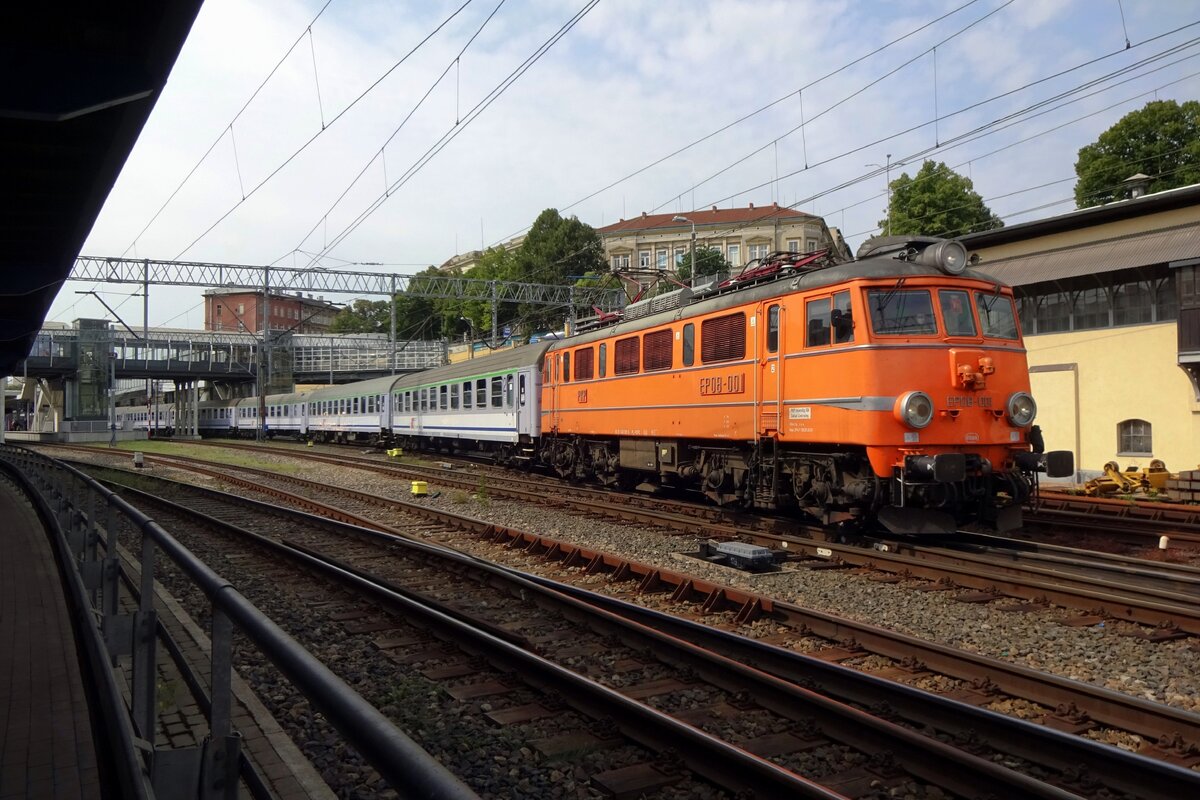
<point>317,279</point>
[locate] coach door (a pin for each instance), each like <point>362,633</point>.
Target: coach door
<point>770,373</point>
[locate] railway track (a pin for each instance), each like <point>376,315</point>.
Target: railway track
<point>1172,610</point>
<point>741,727</point>
<point>1065,703</point>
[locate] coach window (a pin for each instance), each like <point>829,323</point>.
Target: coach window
<point>627,356</point>
<point>723,338</point>
<point>689,344</point>
<point>454,397</point>
<point>354,405</point>
<point>657,350</point>
<point>603,360</point>
<point>497,392</point>
<point>841,319</point>
<point>467,394</point>
<point>773,318</point>
<point>371,404</point>
<point>521,389</point>
<point>481,393</point>
<point>443,397</point>
<point>566,367</point>
<point>508,391</point>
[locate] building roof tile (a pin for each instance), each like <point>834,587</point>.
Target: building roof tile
<point>712,216</point>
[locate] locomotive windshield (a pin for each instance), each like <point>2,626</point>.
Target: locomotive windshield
<point>899,312</point>
<point>996,315</point>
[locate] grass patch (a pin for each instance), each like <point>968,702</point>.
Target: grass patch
<point>216,456</point>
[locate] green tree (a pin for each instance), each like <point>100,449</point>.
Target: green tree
<point>557,250</point>
<point>709,261</point>
<point>1161,140</point>
<point>362,316</point>
<point>937,202</point>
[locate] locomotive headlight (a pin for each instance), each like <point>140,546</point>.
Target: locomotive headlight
<point>1021,409</point>
<point>914,409</point>
<point>950,257</point>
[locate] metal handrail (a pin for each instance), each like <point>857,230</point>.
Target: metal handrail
<point>80,504</point>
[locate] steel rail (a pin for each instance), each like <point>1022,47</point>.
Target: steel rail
<point>925,757</point>
<point>1104,706</point>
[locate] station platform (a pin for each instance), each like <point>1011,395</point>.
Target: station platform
<point>46,744</point>
<point>49,748</point>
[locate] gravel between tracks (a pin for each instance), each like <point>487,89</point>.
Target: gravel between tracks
<point>1163,671</point>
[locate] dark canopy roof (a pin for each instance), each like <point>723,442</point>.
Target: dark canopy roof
<point>81,82</point>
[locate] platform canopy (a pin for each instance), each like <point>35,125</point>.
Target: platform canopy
<point>81,82</point>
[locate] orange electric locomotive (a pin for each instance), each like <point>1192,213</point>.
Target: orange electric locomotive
<point>893,388</point>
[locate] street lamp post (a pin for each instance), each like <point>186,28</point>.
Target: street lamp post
<point>678,218</point>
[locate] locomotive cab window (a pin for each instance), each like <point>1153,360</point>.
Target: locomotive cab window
<point>956,312</point>
<point>996,315</point>
<point>816,312</point>
<point>901,312</point>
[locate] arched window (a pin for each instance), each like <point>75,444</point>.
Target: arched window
<point>1133,438</point>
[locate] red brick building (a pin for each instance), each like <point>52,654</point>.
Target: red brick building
<point>240,310</point>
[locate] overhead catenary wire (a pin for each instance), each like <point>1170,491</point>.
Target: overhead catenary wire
<point>757,111</point>
<point>318,134</point>
<point>381,153</point>
<point>470,117</point>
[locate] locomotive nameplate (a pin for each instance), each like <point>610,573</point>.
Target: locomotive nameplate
<point>968,401</point>
<point>723,384</point>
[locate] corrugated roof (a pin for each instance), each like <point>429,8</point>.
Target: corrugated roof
<point>1106,255</point>
<point>712,216</point>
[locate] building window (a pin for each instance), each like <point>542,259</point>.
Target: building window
<point>644,259</point>
<point>661,259</point>
<point>1091,309</point>
<point>620,261</point>
<point>811,246</point>
<point>735,255</point>
<point>679,256</point>
<point>1133,304</point>
<point>759,251</point>
<point>1133,438</point>
<point>793,245</point>
<point>1054,313</point>
<point>1166,305</point>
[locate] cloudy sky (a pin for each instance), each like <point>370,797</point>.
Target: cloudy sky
<point>1020,86</point>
